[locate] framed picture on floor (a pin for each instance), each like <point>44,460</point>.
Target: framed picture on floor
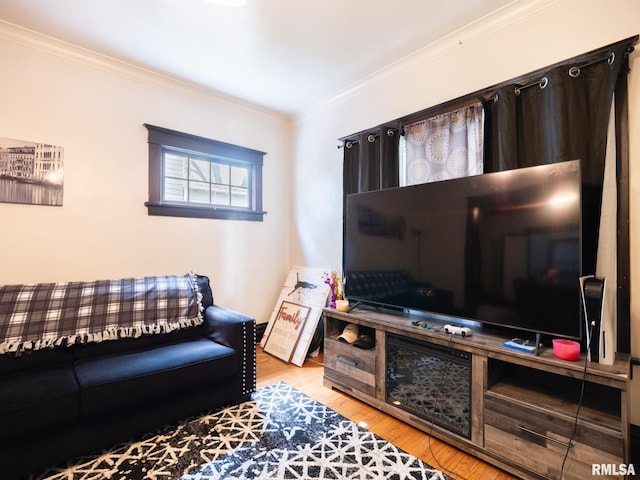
<point>285,332</point>
<point>307,287</point>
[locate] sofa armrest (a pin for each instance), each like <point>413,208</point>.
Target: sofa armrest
<point>237,331</point>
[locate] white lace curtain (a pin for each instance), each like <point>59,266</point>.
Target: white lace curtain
<point>445,146</point>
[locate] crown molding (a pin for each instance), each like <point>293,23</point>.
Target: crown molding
<point>153,78</point>
<point>506,16</point>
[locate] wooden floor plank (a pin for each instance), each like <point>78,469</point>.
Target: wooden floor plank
<point>308,379</point>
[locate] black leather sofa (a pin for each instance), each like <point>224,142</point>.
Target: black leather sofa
<point>59,403</point>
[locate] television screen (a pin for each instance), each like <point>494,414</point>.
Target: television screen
<point>501,248</point>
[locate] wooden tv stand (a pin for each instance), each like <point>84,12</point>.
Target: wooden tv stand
<point>523,407</point>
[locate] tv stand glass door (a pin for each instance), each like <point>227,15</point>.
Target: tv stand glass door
<point>431,381</point>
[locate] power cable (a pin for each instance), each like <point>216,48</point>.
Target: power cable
<point>431,424</point>
<point>582,384</point>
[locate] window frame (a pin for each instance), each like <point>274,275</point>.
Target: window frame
<point>163,139</point>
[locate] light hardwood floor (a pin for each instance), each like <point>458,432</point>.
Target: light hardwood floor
<point>308,379</point>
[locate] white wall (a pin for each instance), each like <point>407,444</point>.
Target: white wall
<point>95,108</point>
<point>528,36</point>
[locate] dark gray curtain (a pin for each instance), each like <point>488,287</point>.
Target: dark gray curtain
<point>371,161</point>
<point>565,120</point>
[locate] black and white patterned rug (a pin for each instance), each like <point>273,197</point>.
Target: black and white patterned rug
<point>280,433</point>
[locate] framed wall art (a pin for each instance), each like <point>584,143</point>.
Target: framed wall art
<point>31,173</point>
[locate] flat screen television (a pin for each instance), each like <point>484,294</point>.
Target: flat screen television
<point>501,248</point>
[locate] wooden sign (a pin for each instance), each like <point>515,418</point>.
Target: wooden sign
<point>286,329</point>
<point>306,287</point>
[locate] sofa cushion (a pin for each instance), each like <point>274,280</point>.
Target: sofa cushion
<point>118,381</point>
<point>144,342</point>
<point>34,359</point>
<point>40,399</point>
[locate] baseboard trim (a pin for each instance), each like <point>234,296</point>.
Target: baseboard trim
<point>260,329</point>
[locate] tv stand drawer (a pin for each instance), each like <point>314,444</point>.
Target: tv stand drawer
<point>538,438</point>
<point>350,365</point>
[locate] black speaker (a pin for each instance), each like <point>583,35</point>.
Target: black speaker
<point>593,302</point>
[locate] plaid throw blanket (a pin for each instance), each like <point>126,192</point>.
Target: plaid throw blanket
<point>44,315</point>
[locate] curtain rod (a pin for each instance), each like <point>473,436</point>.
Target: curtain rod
<point>489,94</point>
<point>349,144</point>
<point>543,82</point>
<point>370,138</point>
<point>575,71</point>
